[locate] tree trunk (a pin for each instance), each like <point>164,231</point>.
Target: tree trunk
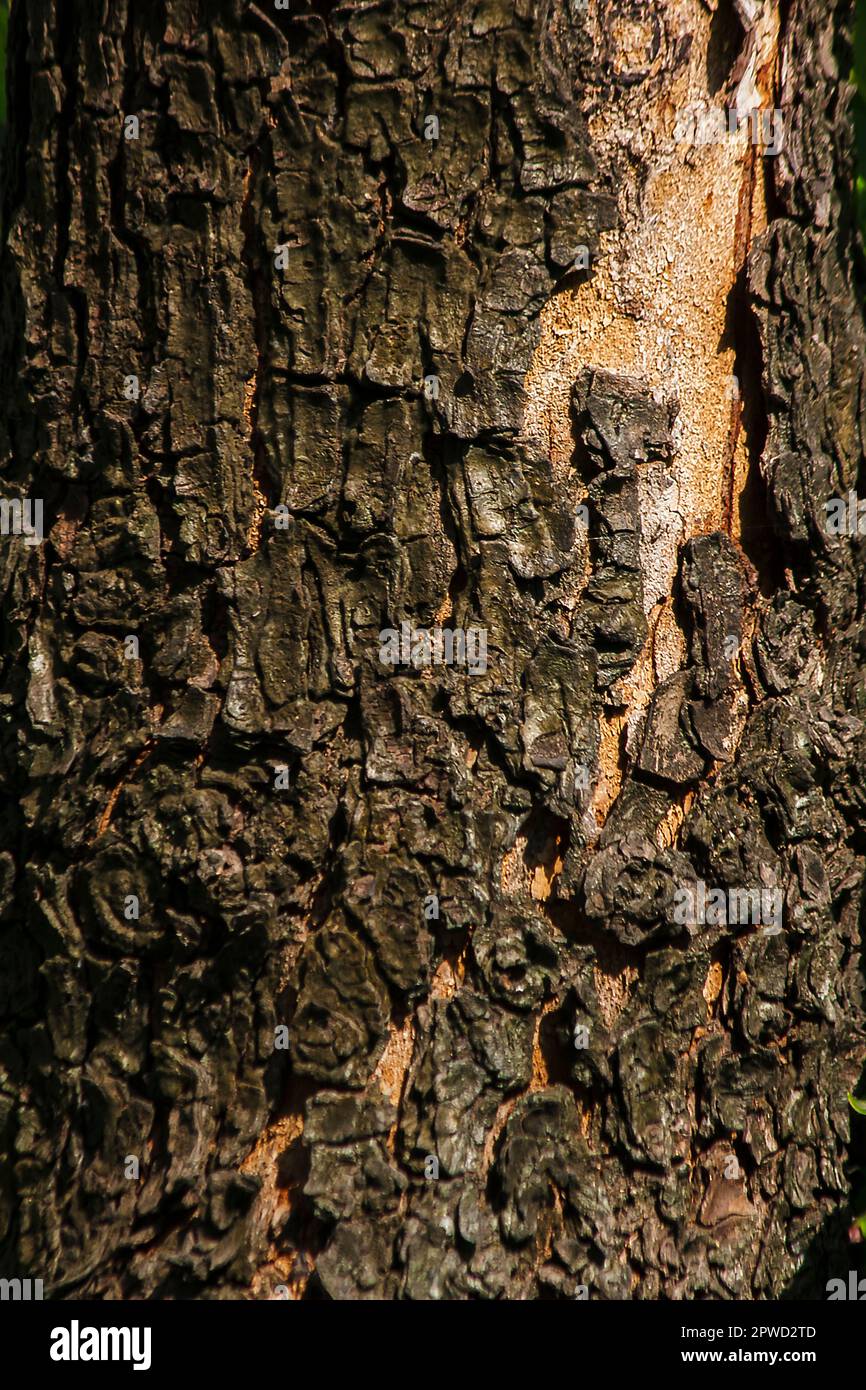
<point>523,962</point>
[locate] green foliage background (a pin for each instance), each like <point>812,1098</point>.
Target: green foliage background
<point>4,21</point>
<point>858,77</point>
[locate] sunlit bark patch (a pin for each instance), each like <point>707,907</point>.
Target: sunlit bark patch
<point>656,306</point>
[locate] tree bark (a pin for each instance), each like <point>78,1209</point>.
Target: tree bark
<point>324,977</point>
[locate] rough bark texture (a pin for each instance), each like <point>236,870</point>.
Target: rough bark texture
<point>412,1037</point>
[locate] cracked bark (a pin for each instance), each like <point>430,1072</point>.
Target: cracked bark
<point>413,1038</point>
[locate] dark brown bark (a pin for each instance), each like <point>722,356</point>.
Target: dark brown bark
<point>280,258</point>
